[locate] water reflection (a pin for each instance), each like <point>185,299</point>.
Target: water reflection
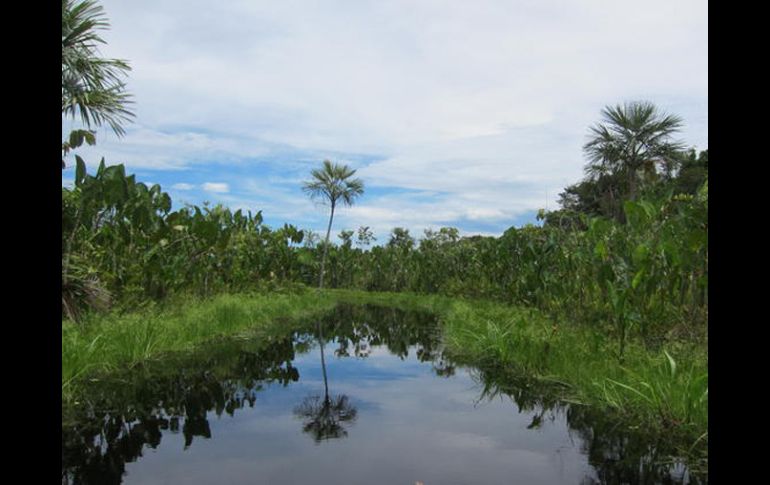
<point>358,329</point>
<point>618,453</point>
<point>325,418</point>
<point>355,331</point>
<point>128,414</point>
<point>125,413</point>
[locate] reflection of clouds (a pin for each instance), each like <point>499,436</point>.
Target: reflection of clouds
<point>408,428</point>
<point>464,440</point>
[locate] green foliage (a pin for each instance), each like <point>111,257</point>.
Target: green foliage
<point>645,278</point>
<point>665,391</point>
<point>333,183</point>
<point>137,249</point>
<point>92,86</point>
<point>633,143</point>
<point>113,341</point>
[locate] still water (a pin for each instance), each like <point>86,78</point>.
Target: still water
<point>363,395</point>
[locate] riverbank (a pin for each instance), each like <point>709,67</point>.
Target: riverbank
<point>102,343</point>
<point>662,390</point>
<point>666,387</point>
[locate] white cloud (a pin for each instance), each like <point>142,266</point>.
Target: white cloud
<point>183,186</point>
<point>486,104</point>
<point>217,187</point>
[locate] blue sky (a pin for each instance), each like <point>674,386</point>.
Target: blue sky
<point>463,114</point>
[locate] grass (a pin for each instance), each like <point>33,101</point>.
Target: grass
<point>664,390</point>
<point>104,343</point>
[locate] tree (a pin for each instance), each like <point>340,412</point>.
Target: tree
<point>91,86</point>
<point>693,173</point>
<point>597,196</point>
<point>333,183</point>
<point>365,237</point>
<point>400,238</point>
<point>632,142</point>
<point>347,239</point>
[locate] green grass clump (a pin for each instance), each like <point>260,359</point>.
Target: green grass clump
<point>663,390</point>
<point>104,343</point>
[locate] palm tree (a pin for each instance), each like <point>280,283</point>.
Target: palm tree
<point>333,184</point>
<point>632,141</point>
<point>91,86</point>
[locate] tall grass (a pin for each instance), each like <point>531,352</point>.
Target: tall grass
<point>664,390</point>
<point>103,343</point>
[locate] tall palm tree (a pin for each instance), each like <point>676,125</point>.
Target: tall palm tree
<point>91,86</point>
<point>633,140</point>
<point>333,183</point>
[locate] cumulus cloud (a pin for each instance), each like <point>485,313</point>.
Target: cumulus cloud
<point>484,104</point>
<point>217,187</point>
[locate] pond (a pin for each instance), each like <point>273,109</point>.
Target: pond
<point>362,395</point>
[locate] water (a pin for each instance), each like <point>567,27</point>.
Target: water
<point>392,409</point>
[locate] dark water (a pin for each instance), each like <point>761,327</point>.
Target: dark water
<point>392,410</point>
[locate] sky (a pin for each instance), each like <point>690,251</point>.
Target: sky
<point>464,114</point>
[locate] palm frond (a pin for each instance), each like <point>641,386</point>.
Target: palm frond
<point>333,183</point>
<point>630,137</point>
<point>92,87</point>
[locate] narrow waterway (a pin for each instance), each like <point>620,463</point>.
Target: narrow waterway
<point>364,395</point>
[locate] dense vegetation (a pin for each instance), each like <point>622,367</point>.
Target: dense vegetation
<point>648,275</point>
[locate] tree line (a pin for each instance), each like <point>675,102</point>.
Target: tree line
<point>122,244</point>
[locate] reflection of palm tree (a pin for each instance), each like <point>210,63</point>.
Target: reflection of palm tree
<point>323,418</point>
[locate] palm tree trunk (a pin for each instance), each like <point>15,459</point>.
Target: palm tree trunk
<point>326,248</point>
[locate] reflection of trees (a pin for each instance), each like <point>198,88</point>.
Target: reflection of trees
<point>617,453</point>
<point>127,412</point>
<point>623,455</point>
<point>359,328</point>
